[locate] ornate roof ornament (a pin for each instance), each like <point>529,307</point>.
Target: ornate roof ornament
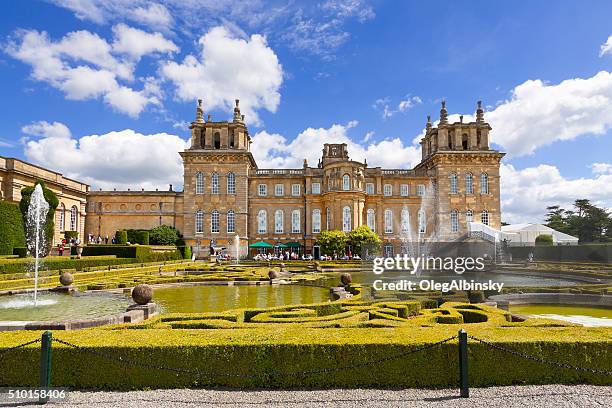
<point>199,112</point>
<point>479,112</point>
<point>443,114</point>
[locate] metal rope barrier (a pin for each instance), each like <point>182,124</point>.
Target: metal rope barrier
<point>541,360</point>
<point>6,350</point>
<point>135,363</point>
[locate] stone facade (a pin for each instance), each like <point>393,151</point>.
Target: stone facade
<point>226,195</point>
<point>16,174</point>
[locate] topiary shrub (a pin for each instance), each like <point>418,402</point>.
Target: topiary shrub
<point>11,228</point>
<point>121,237</point>
<point>475,296</point>
<point>71,234</point>
<point>164,235</point>
<point>544,240</point>
<point>21,252</point>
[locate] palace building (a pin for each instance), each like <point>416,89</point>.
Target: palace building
<point>226,195</point>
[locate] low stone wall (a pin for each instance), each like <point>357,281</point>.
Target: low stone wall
<point>504,301</point>
<point>564,253</point>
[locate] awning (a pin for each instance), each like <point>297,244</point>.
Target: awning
<point>261,244</point>
<point>280,246</point>
<point>293,244</point>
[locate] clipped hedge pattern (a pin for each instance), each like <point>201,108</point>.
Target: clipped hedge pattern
<point>11,228</point>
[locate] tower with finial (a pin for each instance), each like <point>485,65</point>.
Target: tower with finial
<point>237,115</point>
<point>443,114</point>
<point>479,112</point>
<point>199,112</point>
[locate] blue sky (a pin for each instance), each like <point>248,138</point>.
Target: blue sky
<point>103,90</point>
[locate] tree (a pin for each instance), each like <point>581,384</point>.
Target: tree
<point>332,242</point>
<point>587,222</point>
<point>544,239</point>
<point>164,235</point>
<point>363,236</point>
<point>51,199</point>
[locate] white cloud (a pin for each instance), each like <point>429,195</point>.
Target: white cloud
<point>526,193</point>
<point>152,15</point>
<point>368,136</point>
<point>601,168</point>
<point>229,68</point>
<point>122,159</point>
<point>606,48</point>
<point>275,151</point>
<point>85,66</point>
<point>383,104</point>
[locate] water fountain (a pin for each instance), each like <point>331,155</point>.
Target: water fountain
<point>35,231</point>
<point>237,248</point>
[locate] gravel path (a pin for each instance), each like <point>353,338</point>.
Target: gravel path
<point>521,396</point>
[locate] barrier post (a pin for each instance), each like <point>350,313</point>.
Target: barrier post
<point>45,365</point>
<point>463,364</point>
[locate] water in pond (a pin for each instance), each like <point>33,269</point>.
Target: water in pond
<point>367,277</point>
<point>584,315</point>
<point>57,306</point>
<point>196,299</point>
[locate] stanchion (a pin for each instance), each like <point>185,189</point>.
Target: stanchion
<point>463,364</point>
<point>45,366</point>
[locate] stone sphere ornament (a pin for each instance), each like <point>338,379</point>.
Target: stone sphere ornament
<point>346,279</point>
<point>66,279</point>
<point>142,294</point>
<point>272,274</point>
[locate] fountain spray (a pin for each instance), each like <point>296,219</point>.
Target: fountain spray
<point>35,223</point>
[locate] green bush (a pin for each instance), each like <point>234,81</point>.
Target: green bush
<point>138,236</point>
<point>11,228</point>
<point>24,265</point>
<point>544,239</point>
<point>22,252</point>
<point>121,237</point>
<point>51,199</point>
<point>71,234</point>
<point>185,251</point>
<point>164,235</point>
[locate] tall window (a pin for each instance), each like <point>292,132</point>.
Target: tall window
<point>346,182</point>
<point>62,217</point>
<point>469,216</point>
<point>484,217</point>
<point>214,221</point>
<point>262,190</point>
<point>404,190</point>
<point>421,221</point>
<point>295,222</point>
<point>262,222</point>
<point>484,183</point>
<point>278,222</point>
<point>316,221</point>
<point>469,183</point>
<point>328,218</point>
<point>199,221</point>
<point>454,221</point>
<point>279,189</point>
<point>388,221</point>
<point>199,183</point>
<point>369,188</point>
<point>316,188</point>
<point>371,219</point>
<point>346,219</point>
<point>74,218</point>
<point>214,182</point>
<point>388,250</point>
<point>405,221</point>
<point>453,183</point>
<point>421,190</point>
<point>388,190</point>
<point>231,183</point>
<point>295,190</point>
<point>231,221</point>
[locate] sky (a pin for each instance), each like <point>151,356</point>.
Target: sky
<point>104,90</point>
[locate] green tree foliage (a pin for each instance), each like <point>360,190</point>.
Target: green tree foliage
<point>11,228</point>
<point>164,235</point>
<point>586,221</point>
<point>121,237</point>
<point>52,200</point>
<point>544,239</point>
<point>361,236</point>
<point>332,242</point>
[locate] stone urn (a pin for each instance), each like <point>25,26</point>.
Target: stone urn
<point>272,274</point>
<point>346,279</point>
<point>66,279</point>
<point>142,294</point>
<point>317,265</point>
<point>283,268</point>
<point>79,252</point>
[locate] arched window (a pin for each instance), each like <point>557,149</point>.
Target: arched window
<point>346,219</point>
<point>478,138</point>
<point>346,182</point>
<point>464,141</point>
<point>371,219</point>
<point>451,139</point>
<point>405,220</point>
<point>199,221</point>
<point>453,183</point>
<point>454,221</point>
<point>214,183</point>
<point>62,217</point>
<point>214,221</point>
<point>316,221</point>
<point>74,218</point>
<point>231,221</point>
<point>217,140</point>
<point>484,217</point>
<point>231,183</point>
<point>388,221</point>
<point>421,221</point>
<point>469,216</point>
<point>484,183</point>
<point>231,139</point>
<point>328,218</point>
<point>469,183</point>
<point>262,222</point>
<point>199,185</point>
<point>295,222</point>
<point>278,222</point>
